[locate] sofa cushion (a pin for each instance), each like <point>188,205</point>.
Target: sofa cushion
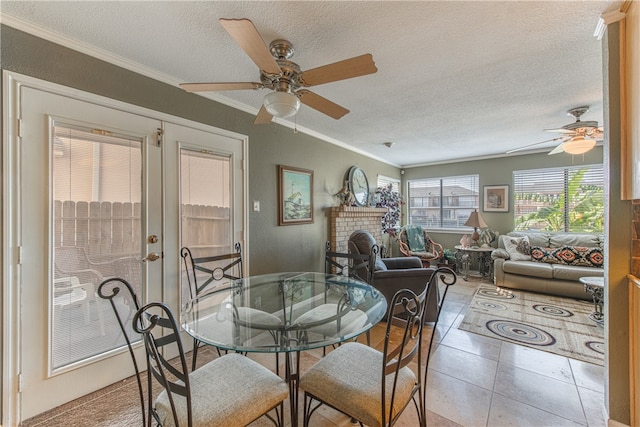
<point>518,248</point>
<point>536,238</point>
<point>569,255</point>
<point>572,272</point>
<point>528,268</point>
<point>557,240</point>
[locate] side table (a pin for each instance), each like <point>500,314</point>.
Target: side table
<point>594,285</point>
<point>465,254</point>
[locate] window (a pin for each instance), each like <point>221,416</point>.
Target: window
<point>559,199</point>
<point>384,181</point>
<point>443,202</point>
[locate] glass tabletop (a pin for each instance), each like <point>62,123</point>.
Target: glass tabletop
<point>284,312</point>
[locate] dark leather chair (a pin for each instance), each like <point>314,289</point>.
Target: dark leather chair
<point>393,274</point>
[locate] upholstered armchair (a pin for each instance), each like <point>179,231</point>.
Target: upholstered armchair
<point>414,241</point>
<point>392,274</point>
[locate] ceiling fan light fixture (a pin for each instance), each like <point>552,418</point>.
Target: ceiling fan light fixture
<point>281,104</point>
<point>578,145</point>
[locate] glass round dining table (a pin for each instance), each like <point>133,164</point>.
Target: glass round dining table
<point>284,313</point>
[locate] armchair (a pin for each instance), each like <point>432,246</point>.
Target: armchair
<point>393,274</point>
<point>414,241</point>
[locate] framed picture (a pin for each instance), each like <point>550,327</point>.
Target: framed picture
<point>496,198</point>
<point>295,195</point>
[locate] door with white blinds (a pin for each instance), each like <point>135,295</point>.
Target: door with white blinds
<point>88,200</point>
<point>100,192</point>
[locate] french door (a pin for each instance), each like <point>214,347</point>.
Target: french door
<point>100,192</point>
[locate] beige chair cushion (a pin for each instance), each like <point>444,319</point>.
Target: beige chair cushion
<point>423,254</point>
<point>232,390</point>
<point>350,379</point>
<point>351,321</point>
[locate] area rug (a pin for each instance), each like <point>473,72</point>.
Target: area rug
<point>555,324</point>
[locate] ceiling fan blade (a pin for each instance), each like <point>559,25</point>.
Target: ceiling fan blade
<point>263,117</point>
<point>321,104</point>
<point>561,130</point>
<point>559,149</point>
<point>349,68</point>
<point>534,144</point>
<point>207,87</point>
<point>249,39</point>
<point>597,134</point>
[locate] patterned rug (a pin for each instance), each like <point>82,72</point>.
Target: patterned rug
<point>549,323</point>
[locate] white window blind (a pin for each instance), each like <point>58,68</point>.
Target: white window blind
<point>384,181</point>
<point>559,199</point>
<point>443,202</point>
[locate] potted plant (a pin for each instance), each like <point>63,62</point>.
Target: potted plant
<point>386,197</point>
<point>448,259</point>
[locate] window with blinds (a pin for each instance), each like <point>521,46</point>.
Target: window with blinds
<point>443,202</point>
<point>559,199</point>
<point>384,181</point>
<point>96,234</point>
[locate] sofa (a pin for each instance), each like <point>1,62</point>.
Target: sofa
<point>549,263</point>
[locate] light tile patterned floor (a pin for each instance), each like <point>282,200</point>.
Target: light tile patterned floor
<point>473,381</point>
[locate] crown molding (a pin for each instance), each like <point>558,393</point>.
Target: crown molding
<point>109,57</point>
<point>609,18</point>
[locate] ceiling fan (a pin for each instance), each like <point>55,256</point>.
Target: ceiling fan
<point>283,76</point>
<point>576,138</point>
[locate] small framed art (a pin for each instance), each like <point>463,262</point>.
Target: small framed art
<point>295,195</point>
<point>496,198</point>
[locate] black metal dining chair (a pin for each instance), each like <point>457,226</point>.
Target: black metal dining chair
<point>358,266</point>
<point>374,387</point>
<point>110,290</point>
<point>231,390</point>
<point>212,270</point>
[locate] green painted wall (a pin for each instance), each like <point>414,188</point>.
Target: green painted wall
<point>497,171</point>
<point>271,247</point>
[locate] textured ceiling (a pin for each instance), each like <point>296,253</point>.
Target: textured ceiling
<point>456,79</point>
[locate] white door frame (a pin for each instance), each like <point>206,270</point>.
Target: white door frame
<point>10,250</point>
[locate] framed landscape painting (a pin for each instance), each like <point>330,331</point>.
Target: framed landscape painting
<point>496,198</point>
<point>295,195</point>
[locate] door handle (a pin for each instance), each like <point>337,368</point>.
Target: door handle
<point>153,256</point>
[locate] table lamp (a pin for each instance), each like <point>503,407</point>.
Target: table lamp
<point>475,221</point>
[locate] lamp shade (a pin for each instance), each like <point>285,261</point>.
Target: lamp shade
<point>281,104</point>
<point>578,145</point>
<point>475,220</point>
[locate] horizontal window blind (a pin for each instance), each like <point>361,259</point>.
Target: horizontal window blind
<point>384,181</point>
<point>444,202</point>
<point>559,199</point>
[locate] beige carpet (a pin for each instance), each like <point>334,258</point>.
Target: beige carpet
<point>549,323</point>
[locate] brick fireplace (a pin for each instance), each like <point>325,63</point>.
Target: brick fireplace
<point>344,220</point>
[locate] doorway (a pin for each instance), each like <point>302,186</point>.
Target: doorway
<point>94,193</point>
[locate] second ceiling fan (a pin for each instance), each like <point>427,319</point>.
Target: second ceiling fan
<point>283,76</point>
<point>575,138</point>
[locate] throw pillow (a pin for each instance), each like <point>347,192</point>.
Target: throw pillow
<point>541,254</point>
<point>415,238</point>
<point>518,248</point>
<point>569,255</point>
<point>379,265</point>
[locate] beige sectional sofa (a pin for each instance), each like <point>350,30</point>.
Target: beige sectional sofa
<point>551,263</point>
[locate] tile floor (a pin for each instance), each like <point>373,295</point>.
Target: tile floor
<point>473,381</point>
